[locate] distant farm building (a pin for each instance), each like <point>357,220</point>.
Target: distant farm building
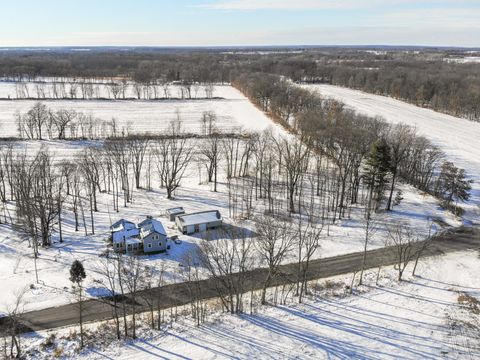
<point>174,212</point>
<point>200,221</point>
<point>148,237</point>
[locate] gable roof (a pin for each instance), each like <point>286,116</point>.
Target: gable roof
<point>121,235</point>
<point>149,226</point>
<point>200,217</point>
<point>122,224</point>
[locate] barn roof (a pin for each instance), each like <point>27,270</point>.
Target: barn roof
<point>200,217</point>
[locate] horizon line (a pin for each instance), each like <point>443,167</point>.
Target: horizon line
<point>235,46</point>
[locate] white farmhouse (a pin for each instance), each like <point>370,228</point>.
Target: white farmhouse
<point>148,237</point>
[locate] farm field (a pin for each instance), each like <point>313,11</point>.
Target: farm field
<point>234,112</point>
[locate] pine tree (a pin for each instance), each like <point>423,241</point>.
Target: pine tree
<point>452,184</point>
<point>77,275</point>
<point>375,175</point>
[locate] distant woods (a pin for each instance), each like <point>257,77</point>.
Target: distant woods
<point>425,78</point>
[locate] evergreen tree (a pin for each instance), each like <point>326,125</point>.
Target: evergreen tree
<point>77,275</point>
<point>452,184</point>
<point>375,175</point>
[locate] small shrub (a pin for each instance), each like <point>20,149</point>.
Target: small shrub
<point>49,342</point>
<point>398,198</point>
<point>471,302</point>
<point>454,209</point>
<point>329,284</point>
<point>58,352</point>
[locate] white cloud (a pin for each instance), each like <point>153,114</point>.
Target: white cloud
<point>278,4</point>
<point>320,4</point>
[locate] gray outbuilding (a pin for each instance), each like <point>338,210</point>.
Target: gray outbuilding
<point>198,222</point>
<point>174,212</point>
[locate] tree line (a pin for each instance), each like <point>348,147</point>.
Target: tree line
<point>365,151</point>
<point>43,123</point>
<point>118,88</point>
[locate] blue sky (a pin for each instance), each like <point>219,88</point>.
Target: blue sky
<point>239,22</point>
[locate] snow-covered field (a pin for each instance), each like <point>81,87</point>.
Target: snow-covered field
<point>421,318</point>
<point>233,112</point>
<point>458,138</point>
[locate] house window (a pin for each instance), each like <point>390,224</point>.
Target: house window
<point>159,244</point>
<point>149,245</point>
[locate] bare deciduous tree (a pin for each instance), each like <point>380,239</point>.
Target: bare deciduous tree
<point>275,239</point>
<point>173,157</point>
<point>295,159</point>
<point>403,240</point>
<point>14,323</point>
<point>227,260</point>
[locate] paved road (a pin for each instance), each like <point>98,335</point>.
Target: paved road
<point>178,294</point>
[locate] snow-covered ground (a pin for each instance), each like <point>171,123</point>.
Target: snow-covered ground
<point>16,262</point>
<point>17,266</point>
<point>421,318</point>
<point>458,138</point>
<point>234,111</point>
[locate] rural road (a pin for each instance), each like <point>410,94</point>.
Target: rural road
<point>463,238</point>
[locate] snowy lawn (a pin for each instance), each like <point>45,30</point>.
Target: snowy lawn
<point>421,318</point>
